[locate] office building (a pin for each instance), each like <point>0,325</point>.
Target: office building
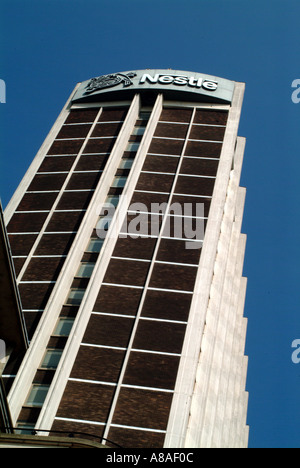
<point>13,337</point>
<point>126,239</point>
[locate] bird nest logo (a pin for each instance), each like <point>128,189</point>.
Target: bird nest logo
<point>109,81</point>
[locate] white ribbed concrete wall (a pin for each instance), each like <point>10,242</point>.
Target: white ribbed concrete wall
<point>219,402</point>
<point>209,405</point>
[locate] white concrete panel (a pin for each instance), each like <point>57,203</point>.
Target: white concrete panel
<point>200,337</point>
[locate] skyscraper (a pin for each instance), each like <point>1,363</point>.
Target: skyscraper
<point>126,239</point>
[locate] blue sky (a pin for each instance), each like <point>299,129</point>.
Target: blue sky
<point>48,46</point>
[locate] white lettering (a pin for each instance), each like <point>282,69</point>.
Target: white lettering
<point>192,81</point>
<point>296,93</point>
<point>2,92</point>
<point>138,225</point>
<point>199,82</point>
<point>2,350</point>
<point>180,81</point>
<point>166,79</point>
<point>122,458</point>
<point>146,77</point>
<point>210,85</point>
<point>162,457</point>
<point>296,353</point>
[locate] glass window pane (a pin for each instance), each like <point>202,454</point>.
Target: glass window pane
<point>103,223</point>
<point>85,270</point>
<point>63,327</point>
<point>37,395</point>
<point>25,428</point>
<point>144,115</point>
<point>132,146</point>
<point>51,358</point>
<point>119,181</point>
<point>95,245</point>
<point>126,163</point>
<point>139,130</point>
<point>75,296</point>
<point>113,200</point>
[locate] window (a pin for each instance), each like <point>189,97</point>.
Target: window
<point>133,146</point>
<point>144,115</point>
<point>139,130</point>
<point>103,225</point>
<point>112,200</point>
<point>75,296</point>
<point>119,181</point>
<point>51,358</point>
<point>95,245</point>
<point>25,428</point>
<point>63,327</point>
<point>85,270</point>
<point>37,395</point>
<point>126,163</point>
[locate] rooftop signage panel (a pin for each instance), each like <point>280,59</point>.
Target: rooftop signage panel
<point>175,84</point>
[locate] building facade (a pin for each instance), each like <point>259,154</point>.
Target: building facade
<point>13,336</point>
<point>126,239</point>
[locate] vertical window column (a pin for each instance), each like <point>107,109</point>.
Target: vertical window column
<point>149,327</point>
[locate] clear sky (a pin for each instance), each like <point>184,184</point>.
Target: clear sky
<point>47,46</point>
